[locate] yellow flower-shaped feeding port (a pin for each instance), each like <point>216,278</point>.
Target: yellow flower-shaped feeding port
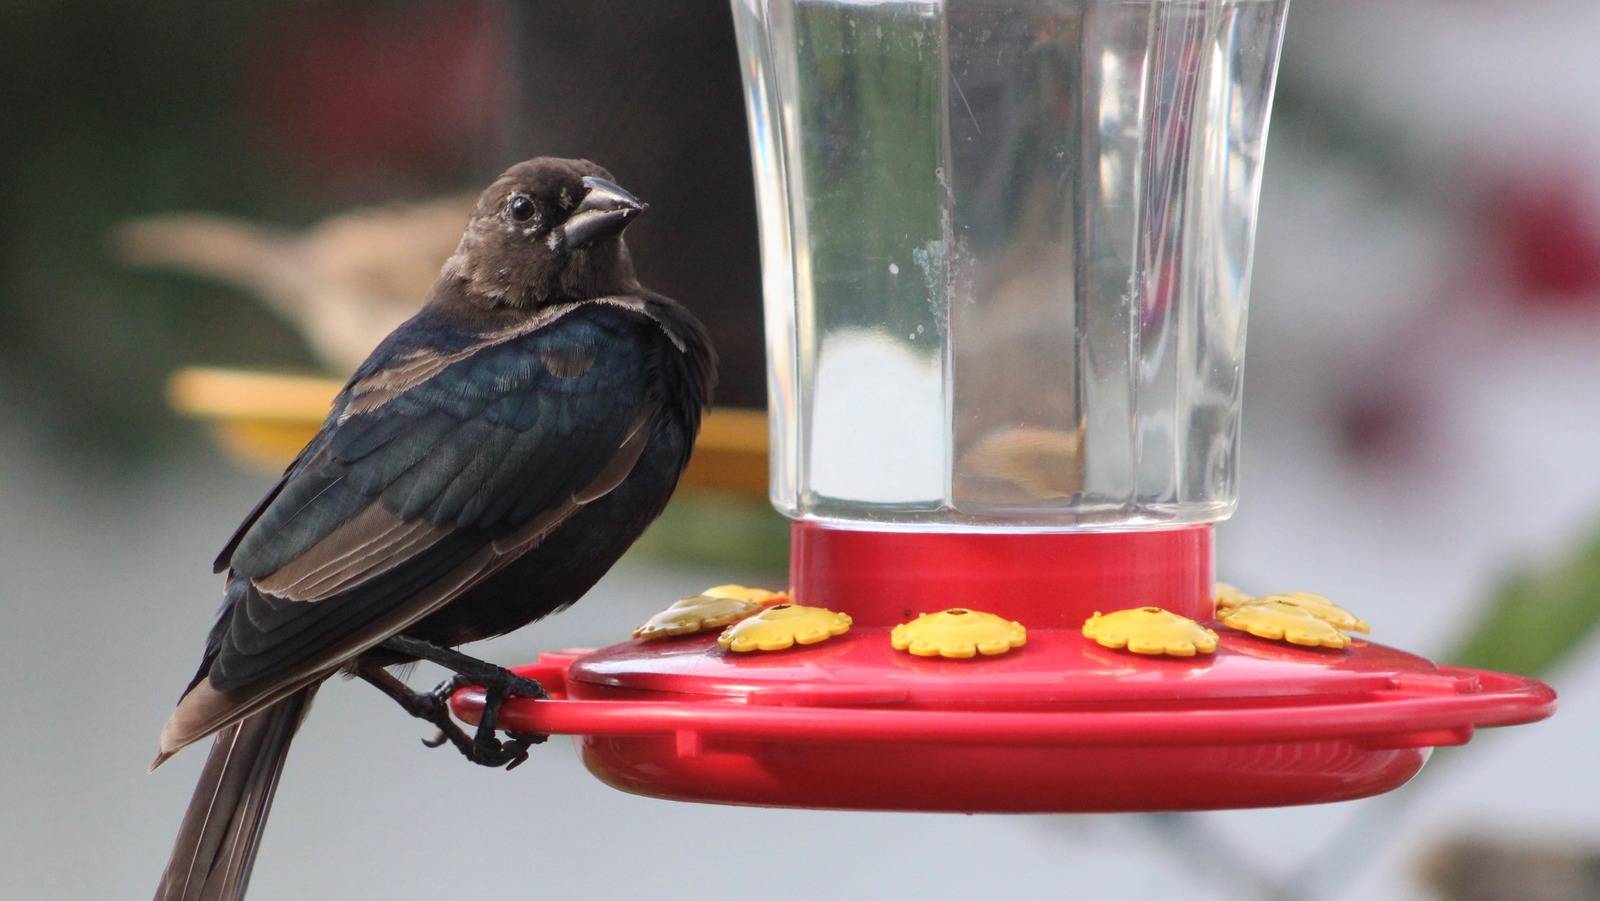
<point>695,614</point>
<point>958,633</point>
<point>1285,621</point>
<point>740,593</point>
<point>783,626</point>
<point>1226,597</point>
<point>711,609</point>
<point>1321,608</point>
<point>1151,630</point>
<point>1229,599</point>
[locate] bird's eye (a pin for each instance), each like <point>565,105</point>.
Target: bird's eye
<point>520,208</point>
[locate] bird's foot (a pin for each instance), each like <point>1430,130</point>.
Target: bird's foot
<point>492,752</point>
<point>482,747</point>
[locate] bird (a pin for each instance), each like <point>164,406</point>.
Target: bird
<point>484,466</point>
<point>343,284</point>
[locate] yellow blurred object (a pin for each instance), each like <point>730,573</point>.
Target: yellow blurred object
<point>696,614</point>
<point>1150,630</point>
<point>264,419</point>
<point>1285,621</point>
<point>958,633</point>
<point>783,626</point>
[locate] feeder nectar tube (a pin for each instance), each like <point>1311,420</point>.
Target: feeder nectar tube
<point>1007,249</point>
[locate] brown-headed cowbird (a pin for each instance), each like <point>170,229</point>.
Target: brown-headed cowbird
<point>490,460</point>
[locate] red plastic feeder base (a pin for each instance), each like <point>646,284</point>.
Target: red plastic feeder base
<point>1060,724</point>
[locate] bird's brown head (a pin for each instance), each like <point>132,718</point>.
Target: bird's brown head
<point>548,230</point>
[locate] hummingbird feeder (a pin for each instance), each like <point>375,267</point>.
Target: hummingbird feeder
<point>1006,247</point>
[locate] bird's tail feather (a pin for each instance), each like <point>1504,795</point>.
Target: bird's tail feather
<point>216,845</point>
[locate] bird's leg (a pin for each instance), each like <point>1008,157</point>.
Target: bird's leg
<point>428,706</point>
<point>473,670</point>
<point>488,720</point>
<point>434,707</point>
<point>498,683</point>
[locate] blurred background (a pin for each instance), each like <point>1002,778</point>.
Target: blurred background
<point>1423,418</point>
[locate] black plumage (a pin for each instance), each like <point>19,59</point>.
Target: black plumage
<point>483,468</point>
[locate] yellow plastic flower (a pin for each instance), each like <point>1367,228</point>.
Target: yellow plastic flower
<point>710,609</point>
<point>958,633</point>
<point>1285,621</point>
<point>1227,597</point>
<point>1151,630</point>
<point>741,593</point>
<point>695,614</point>
<point>782,626</point>
<point>1320,607</point>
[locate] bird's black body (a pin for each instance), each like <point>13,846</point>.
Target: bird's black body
<point>487,464</point>
<point>563,566</point>
<point>481,449</point>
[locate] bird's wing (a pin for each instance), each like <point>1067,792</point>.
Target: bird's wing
<point>435,469</point>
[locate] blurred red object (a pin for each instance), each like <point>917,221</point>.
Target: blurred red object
<point>407,86</point>
<point>1548,228</point>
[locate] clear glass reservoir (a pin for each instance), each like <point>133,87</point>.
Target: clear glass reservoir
<point>1006,247</point>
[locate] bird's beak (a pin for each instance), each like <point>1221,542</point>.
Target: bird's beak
<point>605,211</point>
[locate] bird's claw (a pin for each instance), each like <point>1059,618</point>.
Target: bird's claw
<point>511,685</point>
<point>495,753</point>
<point>530,738</point>
<point>520,742</point>
<point>484,748</point>
<point>442,692</point>
<point>519,751</point>
<point>523,687</point>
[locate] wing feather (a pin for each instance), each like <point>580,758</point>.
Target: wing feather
<point>401,504</point>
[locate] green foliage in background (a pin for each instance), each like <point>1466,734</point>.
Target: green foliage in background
<point>136,118</point>
<point>1538,616</point>
<point>722,530</point>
